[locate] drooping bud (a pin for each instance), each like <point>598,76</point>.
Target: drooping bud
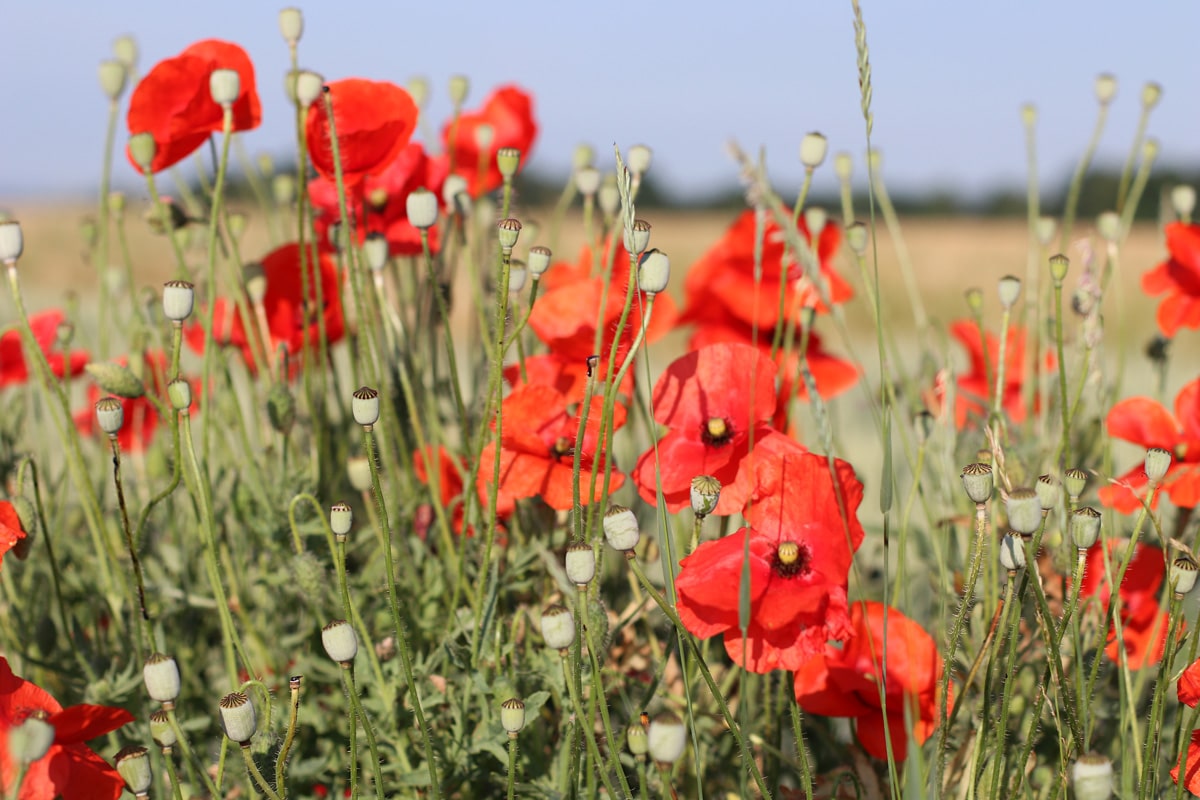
<point>666,738</point>
<point>538,260</point>
<point>238,718</point>
<point>654,271</point>
<point>110,415</point>
<point>1024,510</point>
<point>421,207</point>
<point>1049,491</point>
<point>621,529</point>
<point>1182,575</point>
<point>512,716</point>
<point>341,518</point>
<point>224,85</point>
<point>1158,461</point>
<point>558,628</point>
<point>133,765</point>
<point>1085,527</point>
<point>1010,290</point>
<point>1012,552</point>
<point>580,564</point>
<point>365,406</point>
<point>340,641</point>
<point>161,676</point>
<point>977,480</point>
<point>813,148</point>
<point>1092,777</point>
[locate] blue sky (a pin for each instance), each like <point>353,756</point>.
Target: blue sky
<point>684,78</point>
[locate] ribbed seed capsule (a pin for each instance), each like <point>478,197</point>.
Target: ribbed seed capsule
<point>178,299</point>
<point>705,494</point>
<point>30,740</point>
<point>1049,492</point>
<point>558,628</point>
<point>340,641</point>
<point>341,517</point>
<point>538,261</point>
<point>1075,481</point>
<point>512,716</point>
<point>365,406</point>
<point>1085,527</point>
<point>237,718</point>
<point>580,564</point>
<point>161,731</point>
<point>977,480</point>
<point>110,415</point>
<point>161,676</point>
<point>1182,575</point>
<point>1092,777</point>
<point>1024,510</point>
<point>621,529</point>
<point>1158,461</point>
<point>133,765</point>
<point>637,740</point>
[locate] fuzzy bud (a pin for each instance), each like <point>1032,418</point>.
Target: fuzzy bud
<point>365,405</point>
<point>813,148</point>
<point>538,260</point>
<point>1049,491</point>
<point>512,716</point>
<point>309,87</point>
<point>1092,777</point>
<point>666,738</point>
<point>1012,552</point>
<point>705,494</point>
<point>30,740</point>
<point>421,207</point>
<point>110,415</point>
<point>133,765</point>
<point>587,180</point>
<point>340,641</point>
<point>178,299</point>
<point>341,518</point>
<point>1183,200</point>
<point>161,731</point>
<point>654,271</point>
<point>224,85</point>
<point>291,25</point>
<point>281,408</point>
<point>558,628</point>
<point>581,564</point>
<point>978,482</point>
<point>621,529</point>
<point>12,242</point>
<point>1075,481</point>
<point>1106,88</point>
<point>161,676</point>
<point>113,76</point>
<point>1085,527</point>
<point>238,718</point>
<point>179,392</point>
<point>1182,575</point>
<point>1158,461</point>
<point>508,161</point>
<point>1058,267</point>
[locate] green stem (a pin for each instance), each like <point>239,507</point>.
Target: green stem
<point>588,736</point>
<point>256,775</point>
<point>357,711</point>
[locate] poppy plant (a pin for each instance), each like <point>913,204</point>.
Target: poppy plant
<point>450,471</point>
<point>537,449</point>
<point>11,532</point>
<point>173,102</point>
<point>568,376</point>
<point>800,551</point>
<point>45,324</point>
<point>508,111</point>
<point>374,120</point>
<point>69,768</point>
<point>976,387</point>
<point>1189,694</point>
<point>140,413</point>
<point>712,401</point>
<point>291,318</point>
<point>1178,278</point>
<point>1145,422</point>
<point>845,681</point>
<point>1143,622</point>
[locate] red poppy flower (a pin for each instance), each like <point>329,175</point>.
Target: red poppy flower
<point>375,120</point>
<point>799,559</point>
<point>537,445</point>
<point>1191,764</point>
<point>11,532</point>
<point>1145,422</point>
<point>1143,622</point>
<point>1178,278</point>
<point>70,768</point>
<point>566,313</point>
<point>509,112</point>
<point>13,368</point>
<point>379,204</point>
<point>290,317</point>
<point>976,386</point>
<point>723,278</point>
<point>173,103</point>
<point>141,416</point>
<point>450,471</point>
<point>568,376</point>
<point>704,398</point>
<point>844,682</point>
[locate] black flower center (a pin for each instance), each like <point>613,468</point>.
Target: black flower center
<point>562,447</point>
<point>791,559</point>
<point>716,432</point>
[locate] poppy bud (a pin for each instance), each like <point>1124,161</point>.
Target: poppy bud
<point>178,299</point>
<point>977,480</point>
<point>1044,230</point>
<point>508,161</point>
<point>621,529</point>
<point>309,87</point>
<point>843,165</point>
<point>654,272</point>
<point>1058,267</point>
<point>358,470</point>
<point>1024,510</point>
<point>1108,225</point>
<point>512,716</point>
<point>418,90</point>
<point>1183,200</point>
<point>179,392</point>
<point>1029,115</point>
<point>1012,552</point>
<point>125,50</point>
<point>815,219</point>
<point>255,280</point>
<point>30,740</point>
<point>1075,481</point>
<point>161,731</point>
<point>1106,88</point>
<point>1049,491</point>
<point>421,207</point>
<point>27,519</point>
<point>517,276</point>
<point>341,644</point>
<point>509,230</point>
<point>142,149</point>
<point>581,564</point>
<point>637,741</point>
<point>133,765</point>
<point>667,737</point>
<point>112,78</point>
<point>283,189</point>
<point>1010,290</point>
<point>1151,94</point>
<point>459,86</point>
<point>609,197</point>
<point>452,188</point>
<point>291,25</point>
<point>484,136</point>
<point>637,240</point>
<point>224,85</point>
<point>237,718</point>
<point>1092,777</point>
<point>705,494</point>
<point>375,249</point>
<point>110,415</point>
<point>281,408</point>
<point>1182,575</point>
<point>161,676</point>
<point>857,238</point>
<point>1158,461</point>
<point>813,148</point>
<point>538,261</point>
<point>587,180</point>
<point>341,517</point>
<point>12,242</point>
<point>558,628</point>
<point>365,405</point>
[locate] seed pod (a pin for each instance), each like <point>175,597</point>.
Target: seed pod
<point>161,731</point>
<point>421,207</point>
<point>365,405</point>
<point>340,641</point>
<point>1092,777</point>
<point>508,161</point>
<point>160,673</point>
<point>667,738</point>
<point>654,272</point>
<point>638,159</point>
<point>705,494</point>
<point>1085,527</point>
<point>133,765</point>
<point>813,148</point>
<point>1182,575</point>
<point>1158,461</point>
<point>1024,510</point>
<point>1049,492</point>
<point>512,716</point>
<point>977,480</point>
<point>110,415</point>
<point>178,299</point>
<point>1012,552</point>
<point>621,529</point>
<point>341,517</point>
<point>224,85</point>
<point>1075,481</point>
<point>237,718</point>
<point>558,628</point>
<point>580,564</point>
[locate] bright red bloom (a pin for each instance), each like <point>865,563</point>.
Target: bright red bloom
<point>537,445</point>
<point>974,396</point>
<point>723,278</point>
<point>450,472</point>
<point>375,120</point>
<point>704,398</point>
<point>141,417</point>
<point>11,532</point>
<point>1191,764</point>
<point>799,558</point>
<point>509,112</point>
<point>173,103</point>
<point>569,377</point>
<point>379,203</point>
<point>565,314</point>
<point>13,368</point>
<point>290,316</point>
<point>70,768</point>
<point>1179,278</point>
<point>844,682</point>
<point>1145,422</point>
<point>1143,621</point>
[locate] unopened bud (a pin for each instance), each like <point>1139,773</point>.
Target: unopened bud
<point>179,392</point>
<point>142,149</point>
<point>309,86</point>
<point>813,148</point>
